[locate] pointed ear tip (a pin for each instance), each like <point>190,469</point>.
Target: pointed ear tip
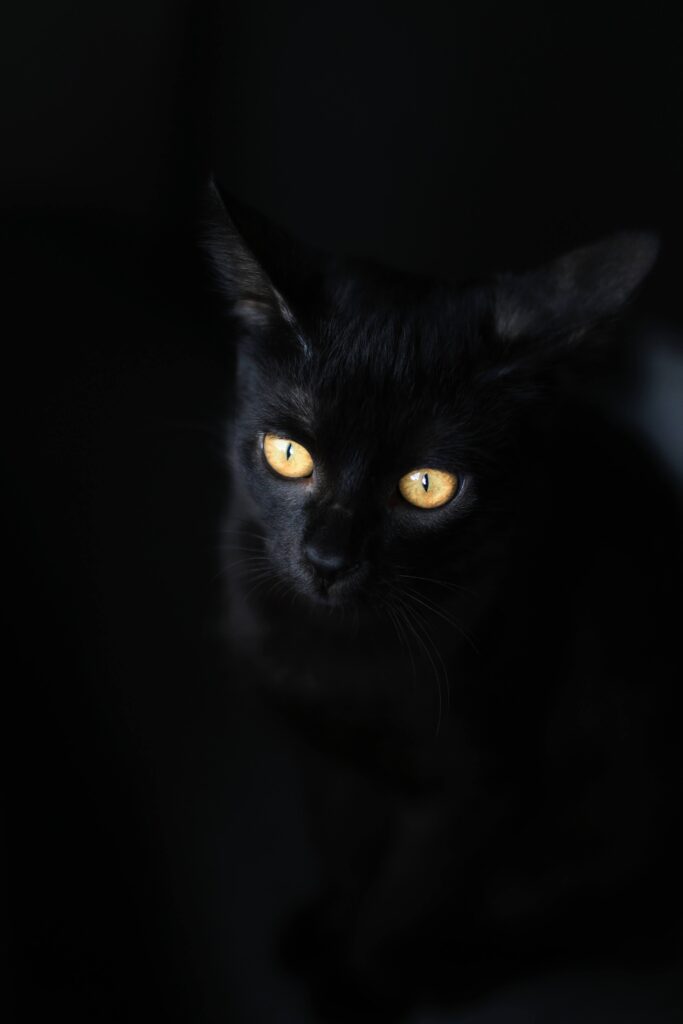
<point>211,189</point>
<point>218,199</point>
<point>211,200</point>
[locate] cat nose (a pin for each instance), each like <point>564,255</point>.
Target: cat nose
<point>328,547</point>
<point>328,562</point>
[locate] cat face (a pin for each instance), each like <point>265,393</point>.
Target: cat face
<point>358,454</point>
<point>376,414</point>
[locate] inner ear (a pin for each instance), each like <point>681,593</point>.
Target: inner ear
<point>576,292</point>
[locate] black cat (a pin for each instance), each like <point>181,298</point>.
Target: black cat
<point>459,579</point>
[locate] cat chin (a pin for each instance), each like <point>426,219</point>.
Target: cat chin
<point>337,596</point>
<point>330,599</point>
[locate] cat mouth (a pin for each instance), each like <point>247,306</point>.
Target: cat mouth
<point>338,590</point>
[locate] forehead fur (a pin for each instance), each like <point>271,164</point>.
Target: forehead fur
<point>396,339</point>
<point>384,378</point>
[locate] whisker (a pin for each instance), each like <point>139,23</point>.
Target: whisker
<point>250,560</point>
<point>243,532</point>
<point>395,618</point>
<point>239,547</point>
<point>419,618</point>
<point>418,630</point>
<point>435,610</point>
<point>262,580</point>
<point>456,587</point>
<point>429,605</point>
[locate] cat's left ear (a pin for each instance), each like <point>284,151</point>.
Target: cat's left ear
<point>265,277</point>
<point>574,294</point>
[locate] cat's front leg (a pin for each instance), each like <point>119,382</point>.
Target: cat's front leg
<point>318,947</point>
<point>370,952</point>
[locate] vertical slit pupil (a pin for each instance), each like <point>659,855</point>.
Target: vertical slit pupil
<point>288,453</point>
<point>425,481</point>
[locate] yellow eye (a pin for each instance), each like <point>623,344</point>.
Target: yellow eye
<point>287,457</point>
<point>428,488</point>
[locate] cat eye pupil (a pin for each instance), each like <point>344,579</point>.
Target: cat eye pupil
<point>289,450</point>
<point>425,482</point>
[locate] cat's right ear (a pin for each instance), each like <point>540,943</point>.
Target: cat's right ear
<point>265,278</point>
<point>247,292</point>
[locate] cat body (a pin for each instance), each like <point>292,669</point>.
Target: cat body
<point>486,691</point>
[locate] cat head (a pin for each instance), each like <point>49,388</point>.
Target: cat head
<point>375,411</point>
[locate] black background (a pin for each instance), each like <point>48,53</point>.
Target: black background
<point>155,832</point>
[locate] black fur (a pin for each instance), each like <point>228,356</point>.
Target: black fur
<point>489,691</point>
